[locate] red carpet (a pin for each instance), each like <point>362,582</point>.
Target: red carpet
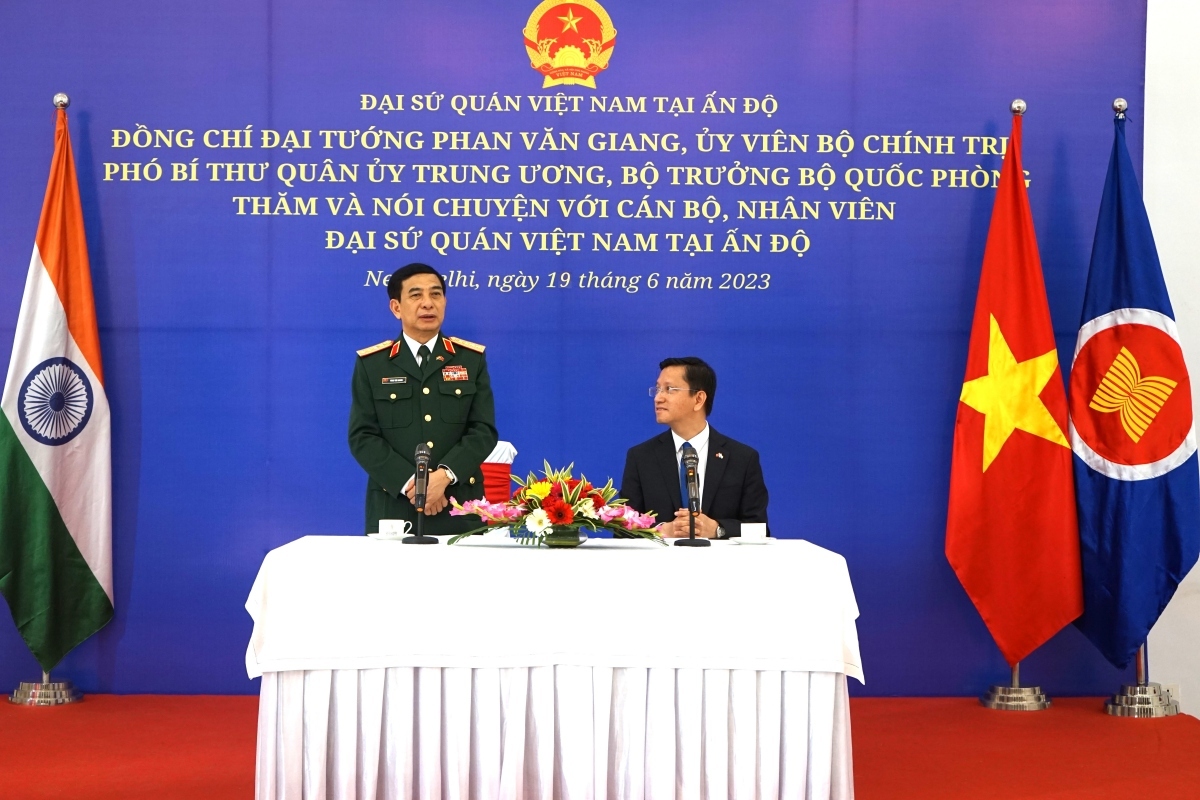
<point>180,748</point>
<point>147,746</point>
<point>956,748</point>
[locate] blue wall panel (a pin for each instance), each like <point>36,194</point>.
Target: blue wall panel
<point>229,339</point>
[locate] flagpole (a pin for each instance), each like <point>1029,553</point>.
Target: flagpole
<point>1142,699</point>
<point>47,692</point>
<point>1012,697</point>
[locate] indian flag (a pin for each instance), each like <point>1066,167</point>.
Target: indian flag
<point>55,468</point>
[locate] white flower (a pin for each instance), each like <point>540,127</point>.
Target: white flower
<point>586,509</point>
<point>538,522</point>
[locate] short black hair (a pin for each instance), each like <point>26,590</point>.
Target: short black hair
<point>396,282</point>
<point>700,377</point>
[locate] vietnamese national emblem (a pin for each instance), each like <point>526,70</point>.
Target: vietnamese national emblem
<point>569,42</point>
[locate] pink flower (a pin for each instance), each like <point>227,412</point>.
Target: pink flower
<point>494,512</point>
<point>468,507</point>
<point>609,513</point>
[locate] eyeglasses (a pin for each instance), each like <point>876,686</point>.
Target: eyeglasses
<point>655,391</point>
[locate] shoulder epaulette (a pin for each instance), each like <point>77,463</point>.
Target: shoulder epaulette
<point>375,348</point>
<point>478,348</point>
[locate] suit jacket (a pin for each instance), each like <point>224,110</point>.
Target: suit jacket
<point>396,404</point>
<point>733,492</point>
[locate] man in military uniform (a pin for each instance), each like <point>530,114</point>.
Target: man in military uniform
<point>422,387</point>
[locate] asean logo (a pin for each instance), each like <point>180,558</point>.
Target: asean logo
<point>55,401</point>
<point>569,42</point>
<point>1131,398</point>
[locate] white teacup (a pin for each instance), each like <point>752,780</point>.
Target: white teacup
<point>394,527</point>
<point>754,531</point>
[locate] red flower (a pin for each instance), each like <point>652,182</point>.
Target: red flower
<point>598,501</point>
<point>556,490</point>
<point>559,512</point>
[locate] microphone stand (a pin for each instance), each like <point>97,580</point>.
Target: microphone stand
<point>692,541</point>
<point>693,510</point>
<point>420,537</point>
<point>421,480</point>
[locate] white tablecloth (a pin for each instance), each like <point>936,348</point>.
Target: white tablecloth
<point>616,670</point>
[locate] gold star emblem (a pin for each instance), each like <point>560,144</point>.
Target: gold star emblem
<point>570,21</point>
<point>1008,396</point>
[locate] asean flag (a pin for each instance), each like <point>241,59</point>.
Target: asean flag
<point>1136,476</point>
<point>1011,532</point>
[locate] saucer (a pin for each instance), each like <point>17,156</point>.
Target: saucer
<point>386,537</point>
<point>740,540</point>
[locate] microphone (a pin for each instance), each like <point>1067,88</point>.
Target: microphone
<point>691,463</point>
<point>421,484</point>
<point>691,472</point>
<point>421,480</point>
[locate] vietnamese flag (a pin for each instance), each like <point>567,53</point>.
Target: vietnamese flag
<point>1011,531</point>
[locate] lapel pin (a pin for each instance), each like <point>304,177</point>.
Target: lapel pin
<point>720,455</point>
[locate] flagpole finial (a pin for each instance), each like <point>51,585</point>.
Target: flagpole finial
<point>61,100</point>
<point>1017,107</point>
<point>1120,105</point>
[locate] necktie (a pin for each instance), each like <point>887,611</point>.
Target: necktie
<point>424,354</point>
<point>683,493</point>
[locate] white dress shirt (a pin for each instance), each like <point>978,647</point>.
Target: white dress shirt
<point>700,442</point>
<point>414,345</point>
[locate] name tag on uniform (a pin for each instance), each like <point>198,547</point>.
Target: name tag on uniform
<point>454,372</point>
<point>397,379</point>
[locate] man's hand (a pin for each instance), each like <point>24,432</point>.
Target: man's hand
<point>435,492</point>
<point>706,527</point>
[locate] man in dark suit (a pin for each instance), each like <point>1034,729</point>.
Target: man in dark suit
<point>732,490</point>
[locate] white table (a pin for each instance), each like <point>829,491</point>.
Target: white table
<point>620,669</point>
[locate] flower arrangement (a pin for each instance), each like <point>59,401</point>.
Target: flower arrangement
<point>558,503</point>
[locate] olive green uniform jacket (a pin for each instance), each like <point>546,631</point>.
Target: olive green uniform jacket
<point>396,404</point>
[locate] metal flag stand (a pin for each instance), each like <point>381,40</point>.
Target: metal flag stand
<point>46,693</point>
<point>1016,697</point>
<point>1142,699</point>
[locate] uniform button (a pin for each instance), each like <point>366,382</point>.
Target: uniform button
<point>425,390</point>
<point>429,444</point>
<point>458,391</point>
<point>428,418</point>
<point>472,480</point>
<point>393,395</point>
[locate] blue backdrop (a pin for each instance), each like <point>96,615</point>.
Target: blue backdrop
<point>229,337</point>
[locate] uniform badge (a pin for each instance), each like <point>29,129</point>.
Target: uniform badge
<point>454,372</point>
<point>397,379</point>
